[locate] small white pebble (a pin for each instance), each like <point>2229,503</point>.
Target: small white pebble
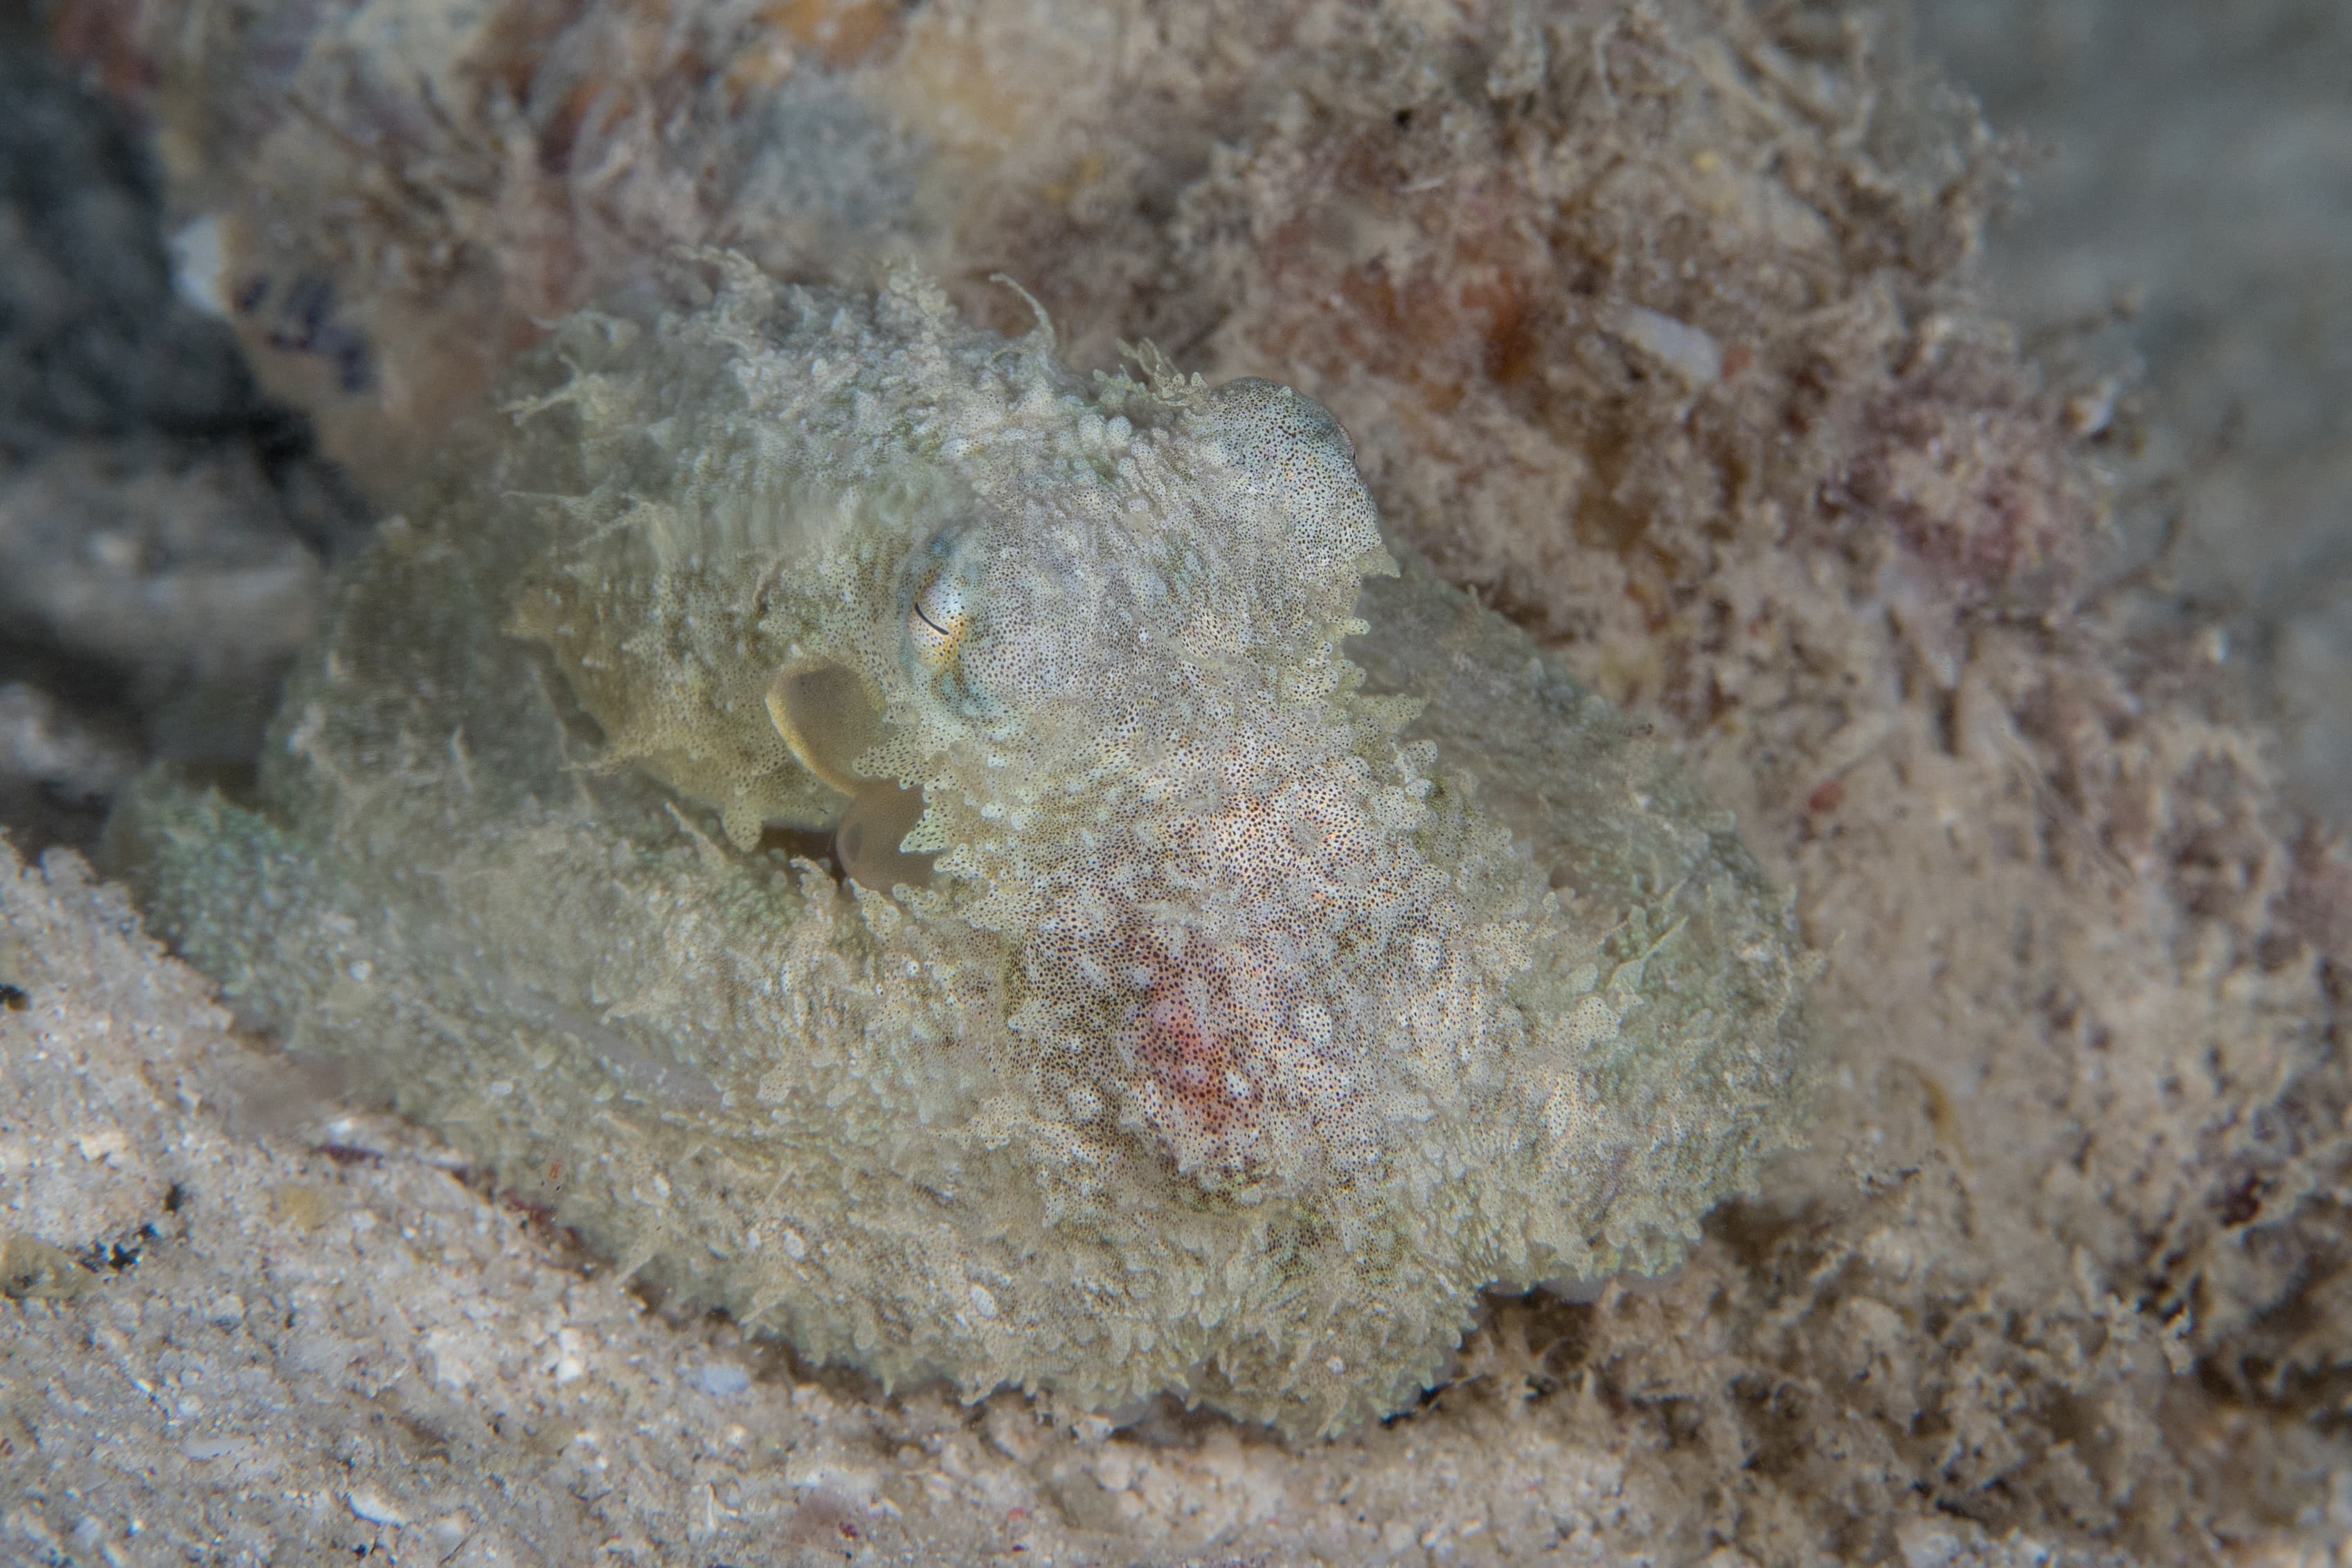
<point>720,1379</point>
<point>569,1363</point>
<point>199,264</point>
<point>1689,352</point>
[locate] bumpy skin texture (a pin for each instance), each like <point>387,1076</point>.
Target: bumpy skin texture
<point>1252,986</point>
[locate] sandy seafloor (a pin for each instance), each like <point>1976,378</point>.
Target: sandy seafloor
<point>247,1322</point>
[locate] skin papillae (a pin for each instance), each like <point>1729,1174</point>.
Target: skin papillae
<point>1222,990</point>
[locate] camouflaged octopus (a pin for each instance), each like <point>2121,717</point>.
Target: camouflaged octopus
<point>1209,991</point>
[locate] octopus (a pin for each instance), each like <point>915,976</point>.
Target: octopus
<point>990,875</point>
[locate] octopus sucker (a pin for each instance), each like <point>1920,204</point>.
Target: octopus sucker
<point>1215,883</point>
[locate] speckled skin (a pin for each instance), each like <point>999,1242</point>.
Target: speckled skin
<point>1255,986</point>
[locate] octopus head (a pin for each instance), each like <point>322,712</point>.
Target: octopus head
<point>1115,710</point>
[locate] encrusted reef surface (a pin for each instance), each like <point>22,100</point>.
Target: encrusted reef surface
<point>1217,1030</point>
<point>1652,324</point>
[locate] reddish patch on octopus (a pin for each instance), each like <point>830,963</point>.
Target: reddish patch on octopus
<point>1198,1064</point>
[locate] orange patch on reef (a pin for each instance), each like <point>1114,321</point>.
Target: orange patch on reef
<point>1447,286</point>
<point>101,36</point>
<point>946,82</point>
<point>838,32</point>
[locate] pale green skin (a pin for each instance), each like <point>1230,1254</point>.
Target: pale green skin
<point>1239,1039</point>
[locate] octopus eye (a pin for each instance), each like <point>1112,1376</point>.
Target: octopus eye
<point>939,620</point>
